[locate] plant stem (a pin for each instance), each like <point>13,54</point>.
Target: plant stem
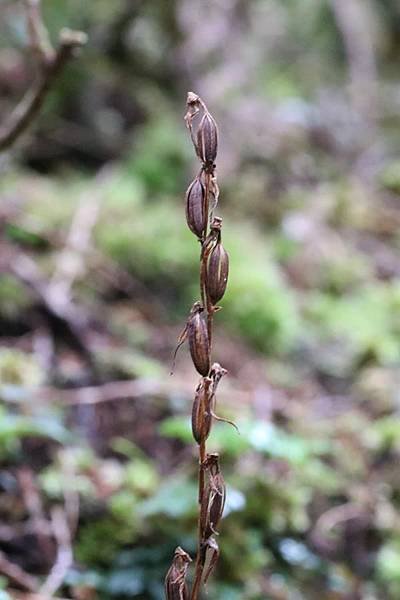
<point>213,276</point>
<point>209,303</point>
<point>199,563</point>
<point>199,567</point>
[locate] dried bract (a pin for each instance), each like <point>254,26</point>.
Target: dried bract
<point>216,374</point>
<point>217,273</point>
<point>211,550</point>
<point>216,492</point>
<point>193,104</point>
<point>175,580</point>
<point>196,216</point>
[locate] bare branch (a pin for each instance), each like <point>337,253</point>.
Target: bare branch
<point>107,392</point>
<point>33,502</point>
<point>64,553</point>
<point>9,533</point>
<point>71,496</point>
<point>354,20</point>
<point>132,389</point>
<point>51,64</point>
<point>17,575</point>
<point>71,263</point>
<point>70,316</point>
<point>39,36</point>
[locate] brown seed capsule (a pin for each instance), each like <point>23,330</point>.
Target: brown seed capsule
<point>217,273</point>
<point>201,412</point>
<point>195,208</point>
<point>175,580</point>
<point>207,139</point>
<point>198,340</point>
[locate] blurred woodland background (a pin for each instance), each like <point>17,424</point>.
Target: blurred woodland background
<point>98,271</point>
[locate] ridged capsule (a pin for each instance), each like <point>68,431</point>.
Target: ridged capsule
<point>207,139</point>
<point>175,580</point>
<point>201,411</point>
<point>217,273</point>
<point>195,208</point>
<point>198,340</point>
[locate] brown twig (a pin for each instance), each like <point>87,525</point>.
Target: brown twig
<point>39,36</point>
<point>354,22</point>
<point>64,557</point>
<point>97,394</point>
<point>71,496</point>
<point>18,595</point>
<point>50,64</point>
<point>9,533</point>
<point>113,391</point>
<point>71,317</point>
<point>34,506</point>
<point>71,263</point>
<point>17,575</point>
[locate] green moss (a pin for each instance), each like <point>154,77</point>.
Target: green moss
<point>366,322</point>
<point>14,298</point>
<point>19,369</point>
<point>258,304</point>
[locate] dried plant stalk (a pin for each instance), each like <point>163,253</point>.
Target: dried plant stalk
<point>201,201</point>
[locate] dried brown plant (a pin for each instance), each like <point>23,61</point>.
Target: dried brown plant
<point>201,201</point>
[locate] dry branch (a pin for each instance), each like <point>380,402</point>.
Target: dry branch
<point>71,262</point>
<point>33,503</point>
<point>17,575</point>
<point>71,317</point>
<point>64,557</point>
<point>50,63</point>
<point>38,34</point>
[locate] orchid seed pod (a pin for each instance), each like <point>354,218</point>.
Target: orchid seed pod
<point>198,340</point>
<point>195,208</point>
<point>216,508</point>
<point>201,412</point>
<point>217,273</point>
<point>175,581</point>
<point>207,139</point>
<point>196,330</point>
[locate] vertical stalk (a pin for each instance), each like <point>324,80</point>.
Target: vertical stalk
<point>209,306</point>
<point>214,265</point>
<point>199,566</point>
<point>199,563</point>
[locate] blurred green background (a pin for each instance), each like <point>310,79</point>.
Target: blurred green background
<point>98,271</point>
